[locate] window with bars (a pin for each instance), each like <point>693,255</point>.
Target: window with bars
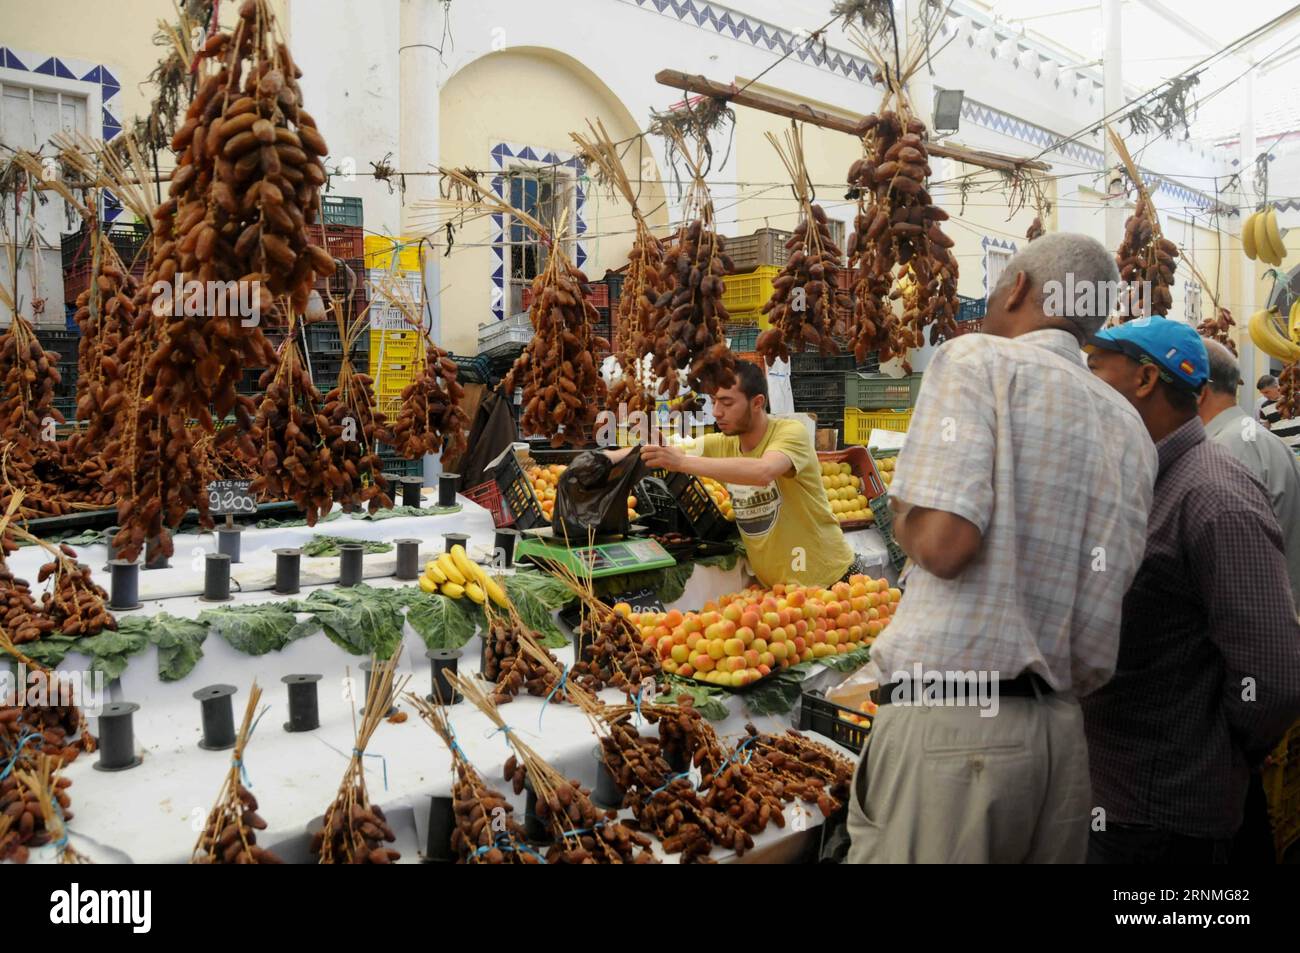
<point>995,263</point>
<point>543,193</point>
<point>29,117</point>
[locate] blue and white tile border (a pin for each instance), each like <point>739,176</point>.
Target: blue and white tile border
<point>83,71</point>
<point>501,153</point>
<point>986,243</point>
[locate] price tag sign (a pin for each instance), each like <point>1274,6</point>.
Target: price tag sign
<point>230,497</point>
<point>641,600</point>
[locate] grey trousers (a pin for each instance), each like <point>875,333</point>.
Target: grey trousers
<point>944,785</point>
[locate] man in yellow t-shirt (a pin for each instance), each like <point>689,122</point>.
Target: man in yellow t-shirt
<point>771,470</point>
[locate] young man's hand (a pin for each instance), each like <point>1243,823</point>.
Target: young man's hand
<point>658,456</point>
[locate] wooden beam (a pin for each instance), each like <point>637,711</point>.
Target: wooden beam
<point>819,117</point>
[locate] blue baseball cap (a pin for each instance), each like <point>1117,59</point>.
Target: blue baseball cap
<point>1173,348</point>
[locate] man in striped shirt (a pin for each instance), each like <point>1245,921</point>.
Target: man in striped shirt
<point>1287,429</point>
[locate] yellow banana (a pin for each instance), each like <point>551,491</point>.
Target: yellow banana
<point>1274,236</point>
<point>468,568</point>
<point>427,584</point>
<point>452,591</point>
<point>451,570</point>
<point>1263,248</point>
<point>1248,237</point>
<point>433,572</point>
<point>474,592</point>
<point>1293,322</point>
<point>495,592</point>
<point>1266,336</point>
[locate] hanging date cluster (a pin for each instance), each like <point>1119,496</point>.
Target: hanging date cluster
<point>432,419</point>
<point>897,241</point>
<point>807,306</point>
<point>635,320</point>
<point>1146,261</point>
<point>561,383</point>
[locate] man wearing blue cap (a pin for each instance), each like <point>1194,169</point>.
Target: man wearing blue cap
<point>1208,677</point>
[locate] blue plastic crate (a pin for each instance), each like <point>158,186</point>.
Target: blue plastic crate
<point>971,309</point>
<point>340,210</point>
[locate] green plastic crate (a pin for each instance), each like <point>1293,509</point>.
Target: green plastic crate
<point>876,391</point>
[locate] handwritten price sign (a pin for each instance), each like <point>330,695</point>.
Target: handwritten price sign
<point>230,496</point>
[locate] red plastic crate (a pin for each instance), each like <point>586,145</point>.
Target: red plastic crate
<point>76,280</point>
<point>599,294</point>
<point>341,241</point>
<point>488,496</point>
<point>975,326</point>
<point>864,468</point>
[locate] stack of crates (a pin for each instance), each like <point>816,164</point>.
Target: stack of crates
<point>396,346</point>
<point>396,358</point>
<point>324,353</point>
<point>65,344</point>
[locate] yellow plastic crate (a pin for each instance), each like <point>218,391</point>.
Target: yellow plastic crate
<point>858,424</point>
<point>396,347</point>
<point>391,381</point>
<point>380,249</point>
<point>748,291</point>
<point>390,405</point>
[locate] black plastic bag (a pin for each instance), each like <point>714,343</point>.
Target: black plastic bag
<point>591,499</point>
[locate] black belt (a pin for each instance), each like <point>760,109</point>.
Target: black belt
<point>1028,685</point>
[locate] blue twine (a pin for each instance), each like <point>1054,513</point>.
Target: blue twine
<point>382,759</point>
<point>501,843</point>
<point>455,746</point>
<point>666,784</point>
<point>23,742</point>
<point>585,830</point>
<point>743,745</point>
<point>559,687</point>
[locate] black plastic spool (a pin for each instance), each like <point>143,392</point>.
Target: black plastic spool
<point>447,483</point>
<point>503,545</point>
<point>117,737</point>
<point>408,559</point>
<point>124,586</point>
<point>218,712</point>
<point>411,487</point>
<point>444,660</point>
<point>368,667</point>
<point>607,794</point>
<point>350,563</point>
<point>304,709</point>
<point>453,539</point>
<point>228,539</point>
<point>109,533</point>
<point>288,564</point>
<point>216,578</point>
<point>442,821</point>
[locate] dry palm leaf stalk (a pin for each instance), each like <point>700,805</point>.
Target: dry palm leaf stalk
<point>52,728</point>
<point>353,427</point>
<point>897,234</point>
<point>509,667</point>
<point>354,831</point>
<point>1145,257</point>
<point>44,789</point>
<point>613,655</point>
<point>806,304</point>
<point>290,436</point>
<point>806,769</point>
<point>26,795</point>
<point>643,284</point>
<point>432,418</point>
<point>230,834</point>
<point>583,833</point>
<point>485,832</point>
<point>688,327</point>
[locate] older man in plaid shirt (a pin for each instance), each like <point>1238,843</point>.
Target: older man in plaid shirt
<point>1021,496</point>
<point>1208,677</point>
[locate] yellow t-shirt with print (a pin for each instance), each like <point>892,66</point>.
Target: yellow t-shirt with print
<point>789,531</point>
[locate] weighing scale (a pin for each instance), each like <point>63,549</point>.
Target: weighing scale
<point>608,557</point>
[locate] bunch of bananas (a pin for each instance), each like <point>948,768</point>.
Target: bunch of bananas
<point>1270,339</point>
<point>1261,239</point>
<point>457,576</point>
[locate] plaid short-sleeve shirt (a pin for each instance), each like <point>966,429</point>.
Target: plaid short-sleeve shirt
<point>1056,470</point>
